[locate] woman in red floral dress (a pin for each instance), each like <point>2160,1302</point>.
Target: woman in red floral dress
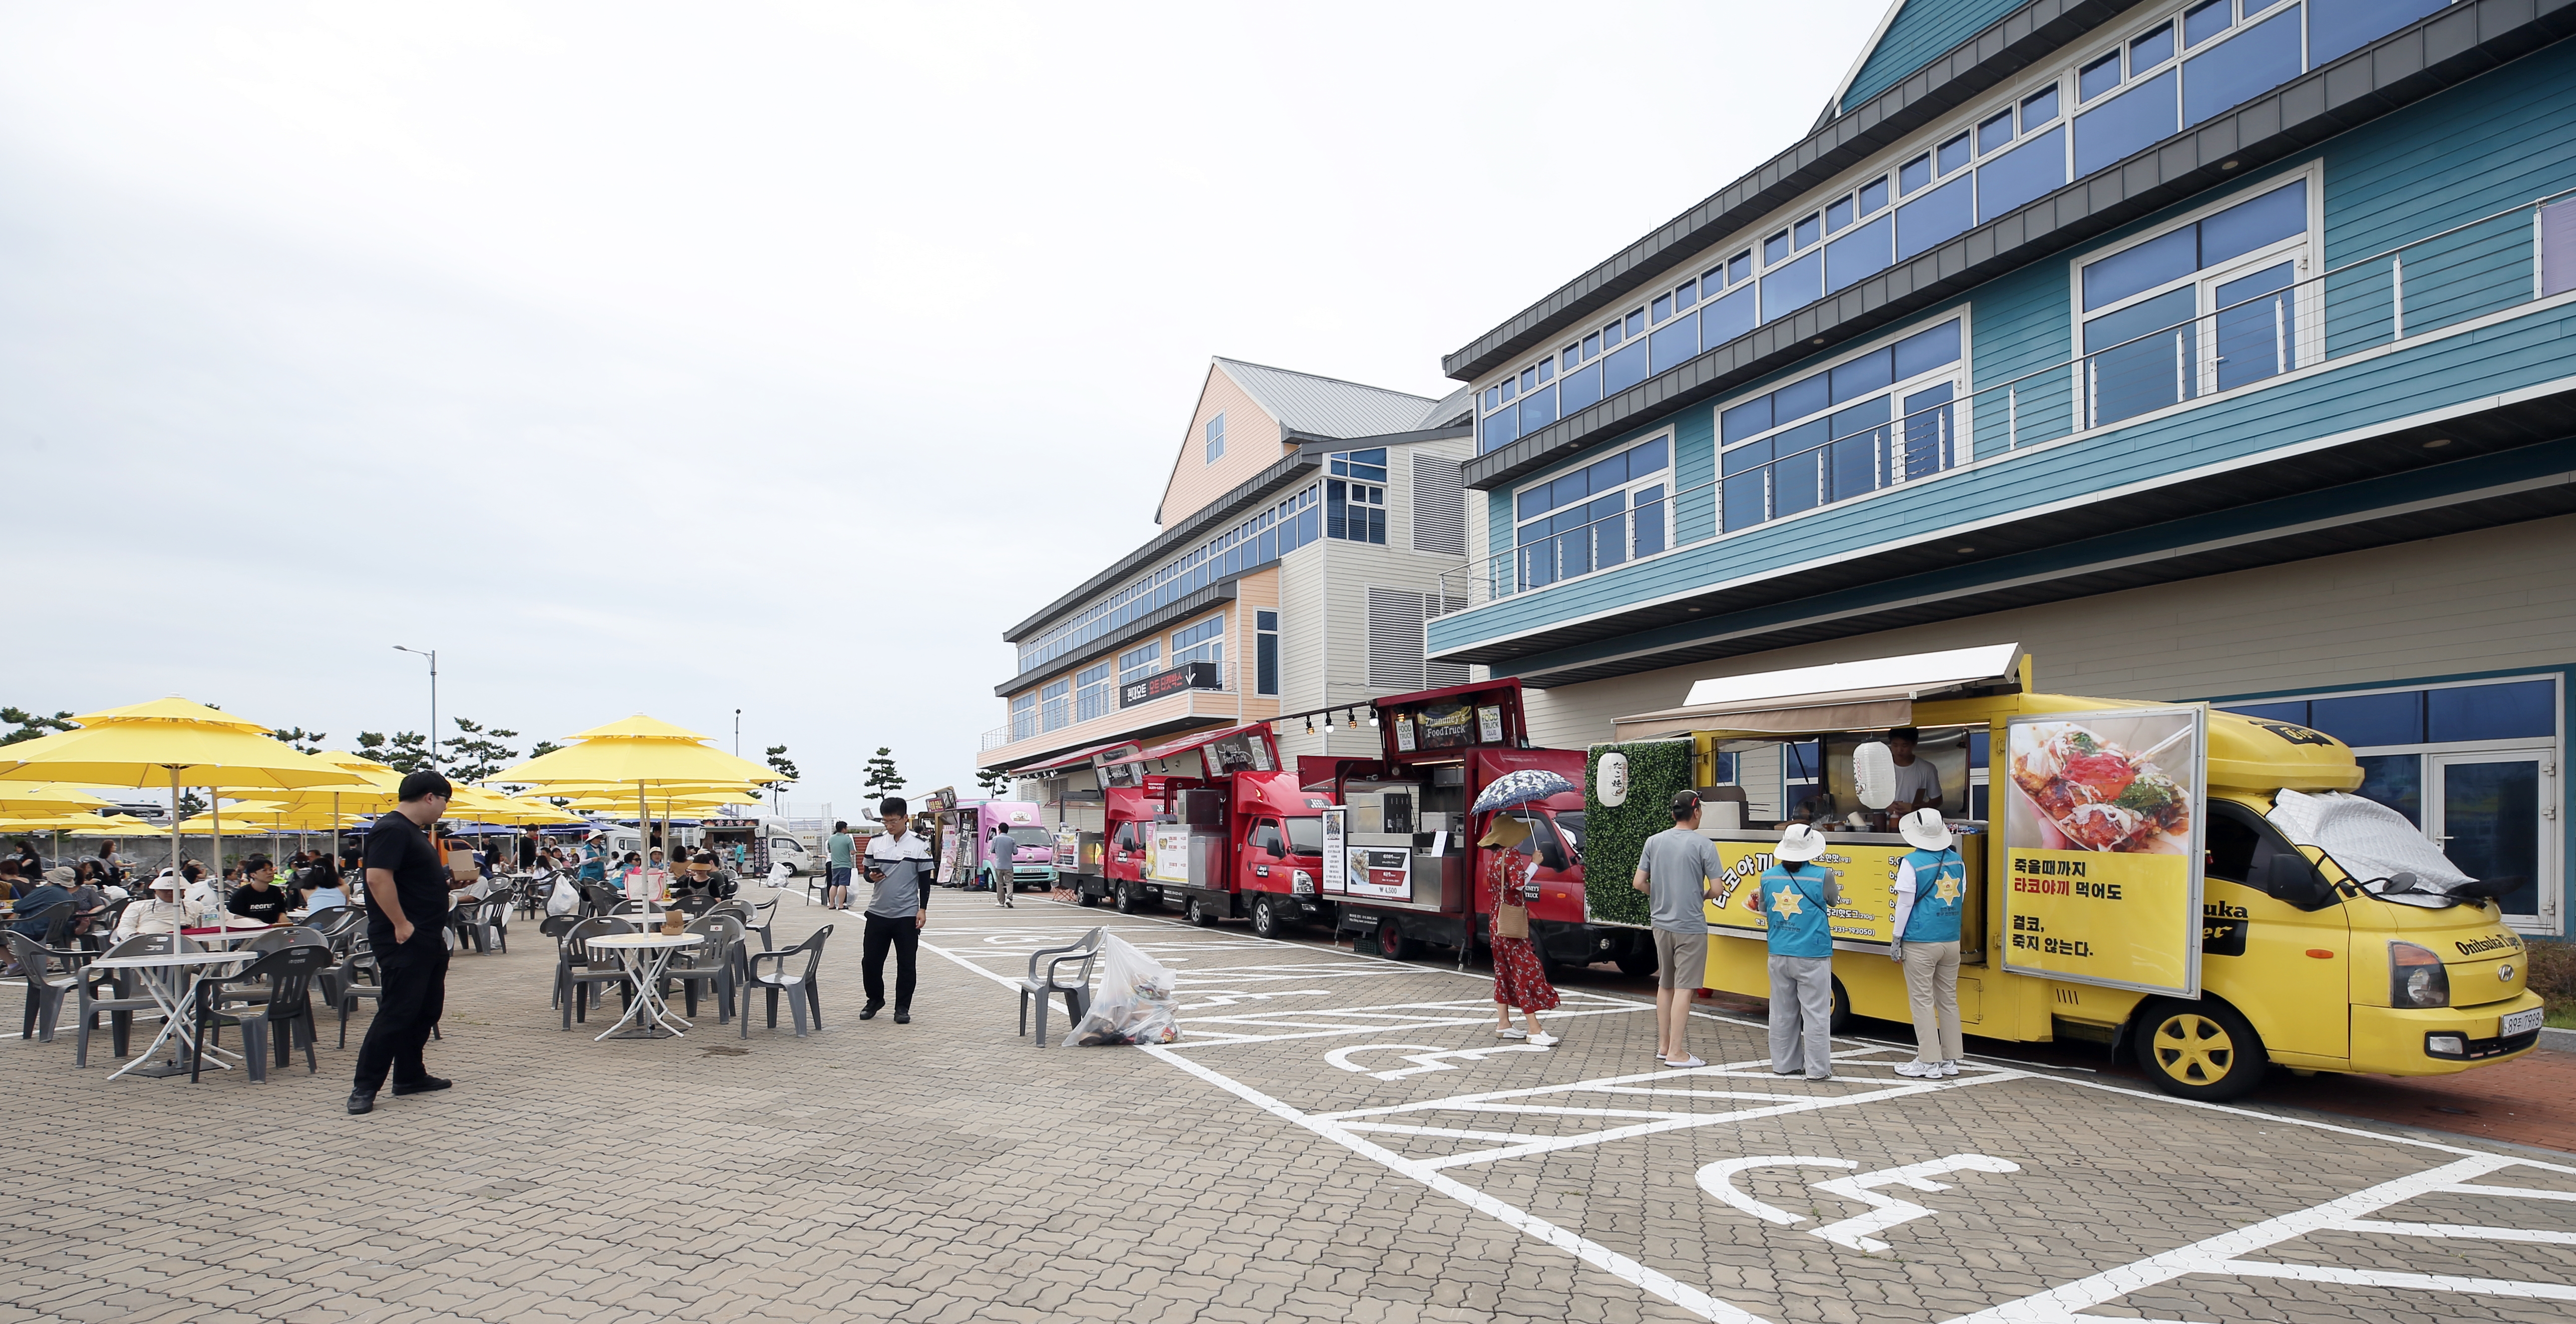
<point>1519,981</point>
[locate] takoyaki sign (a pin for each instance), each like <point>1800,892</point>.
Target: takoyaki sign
<point>2102,856</point>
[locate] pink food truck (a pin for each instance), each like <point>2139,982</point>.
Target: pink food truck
<point>965,830</point>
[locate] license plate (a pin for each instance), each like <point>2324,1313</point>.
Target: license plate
<point>2520,1022</point>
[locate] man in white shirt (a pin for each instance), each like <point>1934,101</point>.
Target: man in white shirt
<point>1918,785</point>
<point>899,864</point>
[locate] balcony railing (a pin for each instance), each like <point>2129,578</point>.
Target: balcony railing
<point>2486,266</point>
<point>1083,706</point>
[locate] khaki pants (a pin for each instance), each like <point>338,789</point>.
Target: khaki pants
<point>1932,989</point>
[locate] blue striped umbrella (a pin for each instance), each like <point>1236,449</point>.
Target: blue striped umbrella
<point>1520,788</point>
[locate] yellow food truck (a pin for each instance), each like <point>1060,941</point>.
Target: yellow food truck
<point>2197,888</point>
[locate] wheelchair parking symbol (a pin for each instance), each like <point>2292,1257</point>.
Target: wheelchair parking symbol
<point>1886,1211</point>
<point>1425,1057</point>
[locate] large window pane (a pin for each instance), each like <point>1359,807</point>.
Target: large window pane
<point>1726,318</point>
<point>2395,780</point>
<point>1860,376</point>
<point>1797,478</point>
<point>1649,520</point>
<point>1860,440</point>
<point>2363,720</point>
<point>2255,60</point>
<point>1578,388</point>
<point>1927,349</point>
<point>2021,175</point>
<point>1744,499</point>
<point>2147,373</point>
<point>1624,369</point>
<point>1750,419</point>
<point>2337,28</point>
<point>1498,431</point>
<point>2492,712</point>
<point>1607,519</point>
<point>2165,258</point>
<point>2294,712</point>
<point>1793,287</point>
<point>1935,218</point>
<point>2125,124</point>
<point>1863,252</point>
<point>2255,339</point>
<point>1670,345</point>
<point>2251,224</point>
<point>2491,813</point>
<point>1647,459</point>
<point>1538,409</point>
<point>1926,429</point>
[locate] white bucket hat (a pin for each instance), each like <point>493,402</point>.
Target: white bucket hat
<point>1798,843</point>
<point>1924,830</point>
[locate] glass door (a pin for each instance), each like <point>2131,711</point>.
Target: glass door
<point>2493,812</point>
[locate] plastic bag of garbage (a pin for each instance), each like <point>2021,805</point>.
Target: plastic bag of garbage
<point>1134,1004</point>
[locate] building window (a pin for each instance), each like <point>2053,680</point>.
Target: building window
<point>2205,306</point>
<point>1141,661</point>
<point>1265,652</point>
<point>1874,420</point>
<point>1091,693</point>
<point>1024,717</point>
<point>1203,642</point>
<point>1055,708</point>
<point>2474,766</point>
<point>1601,515</point>
<point>1215,448</point>
<point>1260,539</point>
<point>1355,497</point>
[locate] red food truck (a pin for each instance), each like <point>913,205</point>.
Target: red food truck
<point>1211,821</point>
<point>1412,873</point>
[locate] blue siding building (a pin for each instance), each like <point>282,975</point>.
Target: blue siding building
<point>2216,350</point>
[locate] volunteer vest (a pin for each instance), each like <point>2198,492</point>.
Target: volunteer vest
<point>1934,919</point>
<point>1798,925</point>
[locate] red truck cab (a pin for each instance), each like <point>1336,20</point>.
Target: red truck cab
<point>1211,821</point>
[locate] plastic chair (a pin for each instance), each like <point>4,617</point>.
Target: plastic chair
<point>762,915</point>
<point>128,1000</point>
<point>289,974</point>
<point>47,989</point>
<point>781,980</point>
<point>717,962</point>
<point>1077,994</point>
<point>577,969</point>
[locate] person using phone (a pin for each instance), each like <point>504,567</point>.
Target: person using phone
<point>899,867</point>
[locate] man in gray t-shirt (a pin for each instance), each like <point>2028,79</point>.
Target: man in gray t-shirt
<point>1675,871</point>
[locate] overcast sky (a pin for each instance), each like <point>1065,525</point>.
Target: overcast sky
<point>679,359</point>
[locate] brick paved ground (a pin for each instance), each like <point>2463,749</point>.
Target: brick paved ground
<point>1317,1148</point>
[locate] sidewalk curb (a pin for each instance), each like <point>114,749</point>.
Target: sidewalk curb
<point>2556,1040</point>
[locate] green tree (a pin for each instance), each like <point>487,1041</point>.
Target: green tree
<point>308,741</point>
<point>544,747</point>
<point>31,725</point>
<point>883,780</point>
<point>991,781</point>
<point>407,751</point>
<point>475,753</point>
<point>779,763</point>
<point>190,805</point>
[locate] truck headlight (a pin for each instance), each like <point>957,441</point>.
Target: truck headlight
<point>2416,977</point>
<point>1301,883</point>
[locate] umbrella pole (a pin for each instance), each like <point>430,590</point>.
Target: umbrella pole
<point>174,852</point>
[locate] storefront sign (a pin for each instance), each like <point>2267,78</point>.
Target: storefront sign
<point>1167,855</point>
<point>1186,676</point>
<point>1380,873</point>
<point>1865,871</point>
<point>1337,822</point>
<point>2102,847</point>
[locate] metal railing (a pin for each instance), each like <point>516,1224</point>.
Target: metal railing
<point>2417,289</point>
<point>1075,711</point>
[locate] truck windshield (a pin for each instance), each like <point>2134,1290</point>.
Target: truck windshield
<point>1305,835</point>
<point>1031,836</point>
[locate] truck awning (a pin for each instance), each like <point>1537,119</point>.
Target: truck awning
<point>1845,696</point>
<point>1080,756</point>
<point>1188,743</point>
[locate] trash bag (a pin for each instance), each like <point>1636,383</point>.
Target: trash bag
<point>1134,1005</point>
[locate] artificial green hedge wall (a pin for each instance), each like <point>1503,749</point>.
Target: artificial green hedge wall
<point>1613,839</point>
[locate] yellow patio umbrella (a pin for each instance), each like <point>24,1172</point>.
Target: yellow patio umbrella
<point>45,800</point>
<point>167,742</point>
<point>94,826</point>
<point>644,753</point>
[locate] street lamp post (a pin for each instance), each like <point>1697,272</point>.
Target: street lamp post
<point>737,733</point>
<point>432,655</point>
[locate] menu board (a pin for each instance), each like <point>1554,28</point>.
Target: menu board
<point>1167,856</point>
<point>2102,847</point>
<point>1866,872</point>
<point>1489,724</point>
<point>1444,725</point>
<point>1404,739</point>
<point>1337,823</point>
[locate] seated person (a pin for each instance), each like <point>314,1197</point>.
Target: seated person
<point>322,891</point>
<point>195,889</point>
<point>259,897</point>
<point>161,914</point>
<point>50,891</point>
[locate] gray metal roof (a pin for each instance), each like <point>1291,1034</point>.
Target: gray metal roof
<point>1328,407</point>
<point>1456,407</point>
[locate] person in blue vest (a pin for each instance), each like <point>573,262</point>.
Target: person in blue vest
<point>1931,887</point>
<point>1796,896</point>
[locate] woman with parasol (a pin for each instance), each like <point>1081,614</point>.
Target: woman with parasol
<point>1520,982</point>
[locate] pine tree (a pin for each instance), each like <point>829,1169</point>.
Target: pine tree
<point>408,751</point>
<point>309,742</point>
<point>476,753</point>
<point>992,781</point>
<point>31,725</point>
<point>883,780</point>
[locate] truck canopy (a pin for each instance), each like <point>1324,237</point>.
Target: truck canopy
<point>1845,696</point>
<point>1245,748</point>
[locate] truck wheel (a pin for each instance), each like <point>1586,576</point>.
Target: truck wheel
<point>1197,912</point>
<point>1404,947</point>
<point>1265,918</point>
<point>1127,900</point>
<point>1084,896</point>
<point>1839,1019</point>
<point>1637,961</point>
<point>2199,1050</point>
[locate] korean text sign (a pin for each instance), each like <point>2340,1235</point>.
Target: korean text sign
<point>2102,847</point>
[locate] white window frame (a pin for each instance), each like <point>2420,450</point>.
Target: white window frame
<point>1628,491</point>
<point>2310,342</point>
<point>1213,448</point>
<point>1198,652</point>
<point>1960,373</point>
<point>1142,666</point>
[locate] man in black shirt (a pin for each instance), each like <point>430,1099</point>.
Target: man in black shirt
<point>257,898</point>
<point>406,928</point>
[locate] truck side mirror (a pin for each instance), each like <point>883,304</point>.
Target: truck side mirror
<point>2289,877</point>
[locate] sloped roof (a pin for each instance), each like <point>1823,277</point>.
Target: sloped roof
<point>1455,407</point>
<point>1914,34</point>
<point>1326,406</point>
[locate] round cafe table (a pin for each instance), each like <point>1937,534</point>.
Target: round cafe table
<point>644,955</point>
<point>171,978</point>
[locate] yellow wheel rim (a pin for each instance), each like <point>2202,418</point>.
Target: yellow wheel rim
<point>2194,1049</point>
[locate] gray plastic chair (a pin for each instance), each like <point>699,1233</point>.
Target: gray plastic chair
<point>128,998</point>
<point>287,972</point>
<point>797,984</point>
<point>1077,992</point>
<point>46,989</point>
<point>717,963</point>
<point>578,970</point>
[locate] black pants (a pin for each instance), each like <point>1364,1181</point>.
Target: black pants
<point>414,979</point>
<point>904,935</point>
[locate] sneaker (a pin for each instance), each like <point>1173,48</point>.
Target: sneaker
<point>1918,1070</point>
<point>1509,1033</point>
<point>1545,1040</point>
<point>1950,1068</point>
<point>1813,1076</point>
